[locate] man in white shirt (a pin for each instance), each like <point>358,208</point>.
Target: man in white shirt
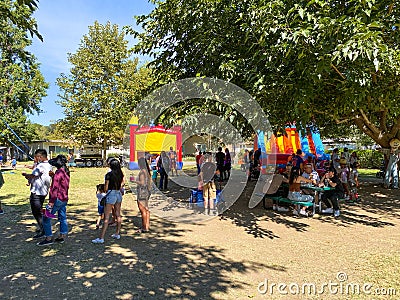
<point>40,184</point>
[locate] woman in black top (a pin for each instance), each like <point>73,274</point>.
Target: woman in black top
<point>114,182</point>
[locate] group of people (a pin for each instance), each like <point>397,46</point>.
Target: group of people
<point>300,172</point>
<point>329,197</point>
<point>165,164</point>
<point>223,162</point>
<point>43,181</point>
<point>111,193</point>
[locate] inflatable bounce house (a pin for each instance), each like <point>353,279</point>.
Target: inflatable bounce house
<point>276,150</point>
<point>153,139</point>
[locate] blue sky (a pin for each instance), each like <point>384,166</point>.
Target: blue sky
<point>63,23</point>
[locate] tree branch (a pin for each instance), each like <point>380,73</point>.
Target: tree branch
<point>395,129</point>
<point>383,119</point>
<point>337,71</point>
<point>368,123</point>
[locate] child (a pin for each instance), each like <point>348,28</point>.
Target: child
<point>100,193</point>
<point>353,182</point>
<point>344,174</point>
<point>13,163</point>
<point>154,175</point>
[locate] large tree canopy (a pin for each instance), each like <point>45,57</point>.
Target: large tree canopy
<point>22,85</point>
<point>102,88</point>
<point>329,63</point>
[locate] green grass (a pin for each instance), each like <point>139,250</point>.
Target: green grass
<point>82,190</point>
<point>367,172</point>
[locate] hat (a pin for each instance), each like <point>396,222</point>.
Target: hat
<point>394,143</point>
<point>343,161</point>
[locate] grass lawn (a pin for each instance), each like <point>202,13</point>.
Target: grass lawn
<point>368,172</point>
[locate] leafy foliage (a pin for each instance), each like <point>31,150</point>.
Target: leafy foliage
<point>328,63</point>
<point>10,10</point>
<point>17,120</point>
<point>22,86</point>
<point>102,88</point>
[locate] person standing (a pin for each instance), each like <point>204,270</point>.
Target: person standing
<point>220,159</point>
<point>353,159</point>
<point>227,164</point>
<point>298,161</point>
<point>346,156</point>
<point>392,168</point>
<point>172,161</point>
<point>143,194</point>
<point>13,163</point>
<point>163,168</point>
<point>58,200</point>
<point>1,184</point>
<point>40,184</point>
<point>198,156</point>
<point>114,182</point>
<point>336,159</point>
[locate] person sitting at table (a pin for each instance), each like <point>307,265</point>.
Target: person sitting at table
<point>295,181</point>
<point>273,188</point>
<point>310,173</point>
<point>331,179</point>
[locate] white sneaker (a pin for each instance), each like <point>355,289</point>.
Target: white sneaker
<point>336,213</point>
<point>303,213</point>
<point>327,211</point>
<point>282,209</point>
<point>98,241</point>
<point>116,236</point>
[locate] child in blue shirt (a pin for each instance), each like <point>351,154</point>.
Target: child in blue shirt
<point>100,193</point>
<point>154,175</point>
<point>13,163</point>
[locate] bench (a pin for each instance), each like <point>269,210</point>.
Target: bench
<point>286,200</point>
<point>283,199</point>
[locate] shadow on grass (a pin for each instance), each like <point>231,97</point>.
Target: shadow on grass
<point>243,216</point>
<point>136,266</point>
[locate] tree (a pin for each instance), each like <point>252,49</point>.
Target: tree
<point>104,85</point>
<point>22,85</point>
<point>9,10</point>
<point>326,63</point>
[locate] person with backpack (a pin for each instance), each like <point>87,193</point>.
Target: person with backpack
<point>163,165</point>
